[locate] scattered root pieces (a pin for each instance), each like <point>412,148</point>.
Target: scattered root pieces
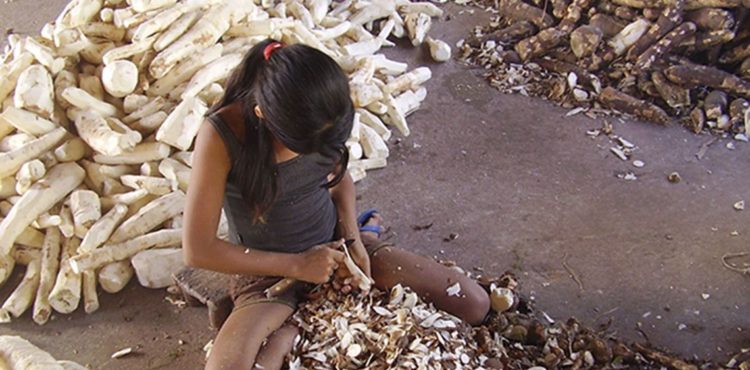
<point>664,63</point>
<point>399,331</point>
<point>208,347</point>
<point>739,206</point>
<point>501,299</point>
<point>123,352</point>
<point>674,177</point>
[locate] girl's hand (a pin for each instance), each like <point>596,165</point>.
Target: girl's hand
<point>362,259</point>
<point>318,263</point>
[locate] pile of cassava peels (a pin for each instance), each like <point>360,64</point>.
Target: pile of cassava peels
<point>98,115</point>
<point>399,331</point>
<point>664,61</point>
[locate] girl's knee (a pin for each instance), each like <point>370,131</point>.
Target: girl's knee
<point>225,360</point>
<point>285,333</point>
<point>477,305</point>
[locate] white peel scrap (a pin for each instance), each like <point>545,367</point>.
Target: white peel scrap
<point>123,352</point>
<point>454,290</point>
<point>364,281</point>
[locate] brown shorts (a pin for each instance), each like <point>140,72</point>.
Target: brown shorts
<point>248,290</point>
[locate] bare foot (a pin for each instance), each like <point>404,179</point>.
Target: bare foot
<point>370,238</point>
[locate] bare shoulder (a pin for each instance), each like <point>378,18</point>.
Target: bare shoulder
<point>232,117</point>
<point>210,145</point>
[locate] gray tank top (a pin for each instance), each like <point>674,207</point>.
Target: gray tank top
<point>302,216</point>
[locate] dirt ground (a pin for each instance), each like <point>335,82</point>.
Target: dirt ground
<point>524,189</point>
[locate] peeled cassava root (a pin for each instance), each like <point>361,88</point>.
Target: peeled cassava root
<point>18,353</point>
<point>101,111</point>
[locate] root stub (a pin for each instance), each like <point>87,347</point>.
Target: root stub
<point>698,75</point>
<point>625,103</point>
<point>520,11</point>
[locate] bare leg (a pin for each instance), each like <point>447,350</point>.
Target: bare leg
<point>271,356</point>
<point>237,344</point>
<point>429,279</point>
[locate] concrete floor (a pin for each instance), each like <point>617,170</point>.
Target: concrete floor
<point>524,189</point>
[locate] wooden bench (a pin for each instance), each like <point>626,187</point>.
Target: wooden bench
<point>209,288</point>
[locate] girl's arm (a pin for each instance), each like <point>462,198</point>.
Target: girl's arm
<point>344,196</point>
<point>205,197</point>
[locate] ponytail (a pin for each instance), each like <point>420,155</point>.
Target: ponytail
<point>305,99</point>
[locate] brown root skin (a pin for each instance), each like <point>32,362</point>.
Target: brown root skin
<point>517,10</point>
<point>711,19</point>
<point>737,110</point>
<point>513,33</point>
<point>689,5</point>
<point>697,120</point>
<point>699,4</point>
<point>715,104</point>
<point>608,25</point>
<point>652,14</point>
<point>538,44</point>
<point>647,85</point>
<point>669,19</point>
<point>628,104</point>
<point>510,56</point>
<point>667,43</point>
<point>638,3</point>
<point>606,7</point>
<point>669,361</point>
<point>699,75</point>
<point>624,12</point>
<point>585,40</point>
<point>744,69</point>
<point>676,96</point>
<point>559,8</point>
<point>598,60</point>
<point>549,38</point>
<point>706,40</point>
<point>736,54</point>
<point>564,68</point>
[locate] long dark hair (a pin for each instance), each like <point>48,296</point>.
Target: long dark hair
<point>304,98</point>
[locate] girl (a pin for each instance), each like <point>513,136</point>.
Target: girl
<point>273,155</point>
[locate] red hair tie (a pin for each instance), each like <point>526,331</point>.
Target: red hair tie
<point>270,48</point>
